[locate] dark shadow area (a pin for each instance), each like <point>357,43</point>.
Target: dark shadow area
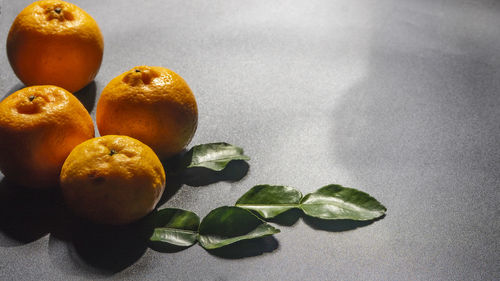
<point>16,88</point>
<point>172,185</point>
<point>105,249</point>
<point>233,172</point>
<point>175,164</point>
<point>336,225</point>
<point>87,96</point>
<point>173,182</point>
<point>27,214</point>
<point>287,218</point>
<point>110,249</point>
<point>247,248</point>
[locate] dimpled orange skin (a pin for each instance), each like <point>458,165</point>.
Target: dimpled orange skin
<point>152,104</point>
<point>112,180</point>
<point>55,43</point>
<point>39,126</point>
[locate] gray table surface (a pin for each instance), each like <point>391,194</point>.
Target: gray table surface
<point>400,99</point>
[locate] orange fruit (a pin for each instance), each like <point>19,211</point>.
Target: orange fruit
<point>54,42</point>
<point>39,126</point>
<point>152,104</point>
<point>112,180</point>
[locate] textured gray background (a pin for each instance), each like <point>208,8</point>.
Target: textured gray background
<point>400,99</point>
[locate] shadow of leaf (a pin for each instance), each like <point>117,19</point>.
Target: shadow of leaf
<point>197,176</point>
<point>287,218</point>
<point>336,225</point>
<point>247,248</point>
<point>166,247</point>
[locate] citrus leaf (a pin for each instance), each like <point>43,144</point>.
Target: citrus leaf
<point>229,224</point>
<point>338,202</point>
<point>270,200</point>
<point>214,156</point>
<point>175,226</point>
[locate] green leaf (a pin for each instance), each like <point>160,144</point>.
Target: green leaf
<point>270,200</point>
<point>227,225</point>
<point>338,202</point>
<point>214,156</point>
<point>175,226</point>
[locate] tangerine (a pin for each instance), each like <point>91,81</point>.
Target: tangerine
<point>152,104</point>
<point>53,42</point>
<point>112,180</point>
<point>39,126</point>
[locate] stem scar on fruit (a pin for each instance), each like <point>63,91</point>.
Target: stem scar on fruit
<point>112,152</point>
<point>58,10</point>
<point>31,98</point>
<point>137,70</point>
